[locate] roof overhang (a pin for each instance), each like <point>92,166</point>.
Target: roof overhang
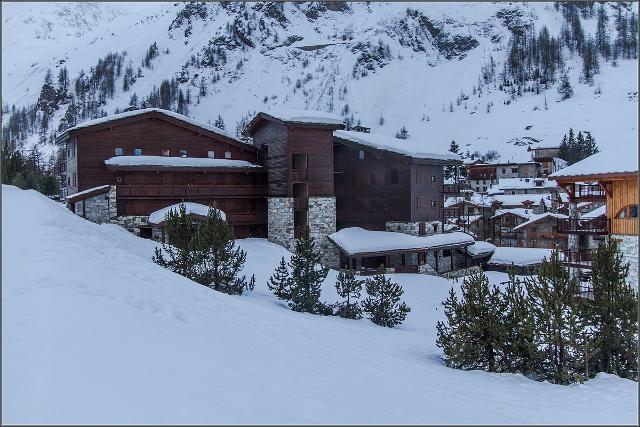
<point>306,124</point>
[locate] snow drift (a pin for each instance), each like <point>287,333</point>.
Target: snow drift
<point>94,332</point>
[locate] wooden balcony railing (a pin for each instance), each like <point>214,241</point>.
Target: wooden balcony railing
<point>450,189</point>
<point>589,193</point>
<point>299,175</point>
<point>300,203</point>
<point>578,258</point>
<point>246,218</point>
<point>450,213</point>
<point>583,226</point>
<point>192,191</point>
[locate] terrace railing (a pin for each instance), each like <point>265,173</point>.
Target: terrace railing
<point>163,191</point>
<point>594,226</point>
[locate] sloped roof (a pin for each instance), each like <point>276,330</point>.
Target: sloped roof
<point>298,117</point>
<point>176,162</point>
<point>616,160</point>
<point>538,217</point>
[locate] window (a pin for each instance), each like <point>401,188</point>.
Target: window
<point>299,161</point>
<point>539,183</point>
<point>166,153</point>
<point>484,188</point>
<point>504,170</point>
<point>137,151</point>
<point>183,153</point>
<point>361,155</point>
<point>630,211</point>
<point>514,170</point>
<point>433,203</point>
<point>395,178</point>
<point>433,178</point>
<point>119,151</point>
<point>227,154</point>
<point>211,154</point>
<point>422,229</point>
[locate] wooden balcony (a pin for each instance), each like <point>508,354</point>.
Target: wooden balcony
<point>589,193</point>
<point>450,189</point>
<point>299,175</point>
<point>300,204</point>
<point>250,218</point>
<point>578,258</point>
<point>181,191</point>
<point>450,213</point>
<point>595,226</point>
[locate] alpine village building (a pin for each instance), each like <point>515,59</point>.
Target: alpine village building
<point>299,169</point>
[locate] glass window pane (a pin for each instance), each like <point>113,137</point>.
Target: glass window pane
<point>183,153</point>
<point>633,211</point>
<point>119,151</point>
<point>211,154</point>
<point>137,152</point>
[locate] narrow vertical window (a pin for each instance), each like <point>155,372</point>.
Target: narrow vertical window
<point>137,151</point>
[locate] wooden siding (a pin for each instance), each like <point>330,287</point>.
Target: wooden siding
<point>317,144</point>
<point>622,193</point>
<point>274,137</point>
<point>153,135</point>
<point>427,180</point>
<point>365,195</point>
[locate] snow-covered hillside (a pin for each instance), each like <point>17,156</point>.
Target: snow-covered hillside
<point>93,331</point>
<point>386,64</point>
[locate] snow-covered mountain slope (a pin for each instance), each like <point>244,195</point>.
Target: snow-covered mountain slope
<point>94,332</point>
<point>386,64</point>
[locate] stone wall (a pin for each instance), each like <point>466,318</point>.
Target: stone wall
<point>132,223</point>
<point>413,228</point>
<point>628,248</point>
<point>322,223</point>
<point>280,221</point>
<point>461,272</point>
<point>100,208</point>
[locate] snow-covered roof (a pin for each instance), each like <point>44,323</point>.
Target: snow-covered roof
<point>518,199</point>
<point>523,183</point>
<point>167,113</point>
<point>356,240</point>
<point>181,162</point>
<point>521,212</point>
<point>608,161</point>
<point>519,256</point>
<point>305,116</point>
<point>88,191</point>
<point>600,211</point>
<point>191,208</point>
<point>417,148</point>
<point>537,217</point>
<point>480,248</point>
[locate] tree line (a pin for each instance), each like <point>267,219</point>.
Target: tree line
<point>542,327</point>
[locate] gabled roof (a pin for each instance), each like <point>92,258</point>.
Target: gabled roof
<point>155,112</point>
<point>89,192</point>
<point>539,217</point>
<point>417,149</point>
<point>521,212</point>
<point>302,118</point>
<point>612,161</point>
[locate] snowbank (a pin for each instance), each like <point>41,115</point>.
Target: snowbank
<point>408,147</point>
<point>182,162</point>
<point>191,208</point>
<point>356,240</point>
<point>93,332</point>
<point>519,256</point>
<point>480,248</point>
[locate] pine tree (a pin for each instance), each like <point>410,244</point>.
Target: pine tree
<point>219,123</point>
<point>307,276</point>
<point>474,335</point>
<point>551,295</point>
<point>280,282</point>
<point>203,87</point>
<point>564,89</point>
<point>402,133</point>
<point>220,260</point>
<point>383,304</point>
<point>612,315</point>
<point>181,254</point>
<point>348,286</point>
<point>450,170</point>
<point>602,33</point>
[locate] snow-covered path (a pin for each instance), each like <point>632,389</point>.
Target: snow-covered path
<point>94,332</point>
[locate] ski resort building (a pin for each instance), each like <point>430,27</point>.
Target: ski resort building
<point>299,169</point>
<point>610,177</point>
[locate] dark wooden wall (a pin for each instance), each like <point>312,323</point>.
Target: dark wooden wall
<point>427,180</point>
<point>152,134</point>
<point>317,144</point>
<point>274,136</point>
<point>365,196</point>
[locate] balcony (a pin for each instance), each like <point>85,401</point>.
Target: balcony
<point>299,175</point>
<point>578,258</point>
<point>589,193</point>
<point>450,189</point>
<point>180,191</point>
<point>595,226</point>
<point>450,213</point>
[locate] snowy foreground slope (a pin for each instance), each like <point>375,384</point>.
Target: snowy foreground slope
<point>94,332</point>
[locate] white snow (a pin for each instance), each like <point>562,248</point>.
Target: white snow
<point>519,256</point>
<point>305,116</point>
<point>186,162</point>
<point>505,184</point>
<point>141,111</point>
<point>355,240</point>
<point>521,212</point>
<point>88,190</point>
<point>159,216</point>
<point>94,333</point>
<point>480,247</point>
<point>618,159</point>
<point>537,217</point>
<point>595,213</point>
<point>408,147</point>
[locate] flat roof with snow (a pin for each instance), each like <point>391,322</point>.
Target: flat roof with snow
<point>358,241</point>
<point>139,162</point>
<point>413,148</point>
